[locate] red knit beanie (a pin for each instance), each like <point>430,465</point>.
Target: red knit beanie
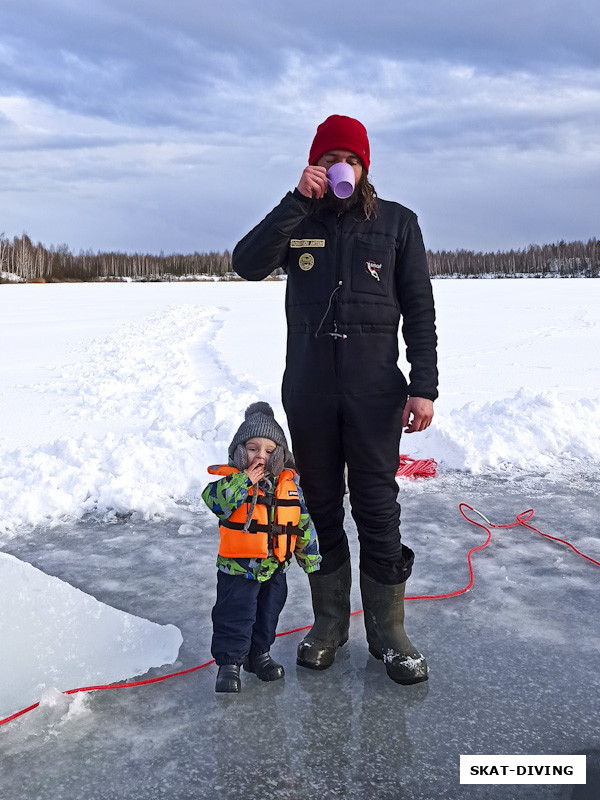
<point>340,133</point>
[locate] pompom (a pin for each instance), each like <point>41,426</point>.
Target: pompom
<point>259,408</point>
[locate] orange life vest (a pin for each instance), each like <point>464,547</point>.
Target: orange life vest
<point>274,524</point>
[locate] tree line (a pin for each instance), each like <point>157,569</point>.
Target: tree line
<point>560,260</point>
<point>35,263</point>
<point>22,260</point>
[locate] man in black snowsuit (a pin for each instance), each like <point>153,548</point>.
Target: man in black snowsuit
<point>355,267</point>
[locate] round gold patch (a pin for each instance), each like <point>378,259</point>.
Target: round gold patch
<point>306,261</point>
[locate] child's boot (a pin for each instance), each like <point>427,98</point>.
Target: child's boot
<point>331,605</point>
<point>383,608</point>
<point>228,678</point>
<point>264,667</point>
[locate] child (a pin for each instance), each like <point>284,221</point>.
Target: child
<point>263,522</point>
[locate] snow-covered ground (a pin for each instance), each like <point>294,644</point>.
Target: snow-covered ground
<point>116,397</point>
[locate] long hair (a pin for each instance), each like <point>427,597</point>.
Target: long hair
<point>367,196</point>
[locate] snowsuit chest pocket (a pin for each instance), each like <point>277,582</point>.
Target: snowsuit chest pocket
<point>372,266</point>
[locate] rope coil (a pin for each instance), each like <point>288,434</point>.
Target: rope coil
<point>416,468</point>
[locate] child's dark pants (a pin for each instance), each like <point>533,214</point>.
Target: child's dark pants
<point>245,616</point>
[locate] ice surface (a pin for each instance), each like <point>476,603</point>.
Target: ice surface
<point>514,666</point>
<point>115,400</point>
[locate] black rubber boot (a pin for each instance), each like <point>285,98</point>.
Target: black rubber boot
<point>331,605</point>
<point>264,667</point>
<point>383,608</point>
<point>228,678</point>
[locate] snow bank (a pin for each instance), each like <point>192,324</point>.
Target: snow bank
<point>532,432</point>
<point>162,469</point>
<point>10,277</point>
<point>160,418</point>
<point>144,410</point>
<point>54,637</point>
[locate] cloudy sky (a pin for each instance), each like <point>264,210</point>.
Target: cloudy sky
<point>175,125</point>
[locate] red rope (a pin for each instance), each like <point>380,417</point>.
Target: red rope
<point>113,686</point>
<point>416,468</point>
<point>521,519</point>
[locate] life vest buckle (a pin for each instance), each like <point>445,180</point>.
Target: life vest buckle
<point>289,530</point>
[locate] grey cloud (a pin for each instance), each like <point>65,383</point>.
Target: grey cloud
<point>159,62</point>
<point>56,142</point>
<point>177,103</point>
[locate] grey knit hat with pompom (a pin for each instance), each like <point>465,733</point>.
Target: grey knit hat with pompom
<point>260,422</point>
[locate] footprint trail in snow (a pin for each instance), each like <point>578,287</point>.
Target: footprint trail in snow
<point>151,406</point>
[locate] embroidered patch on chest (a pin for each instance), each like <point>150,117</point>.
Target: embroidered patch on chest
<point>292,493</point>
<point>373,269</point>
<point>304,243</point>
<point>306,261</point>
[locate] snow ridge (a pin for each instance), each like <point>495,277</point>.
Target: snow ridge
<point>159,404</point>
<point>529,431</point>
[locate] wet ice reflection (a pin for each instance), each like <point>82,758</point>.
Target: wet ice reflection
<point>514,667</point>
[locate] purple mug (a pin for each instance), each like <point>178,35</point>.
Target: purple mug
<point>341,178</point>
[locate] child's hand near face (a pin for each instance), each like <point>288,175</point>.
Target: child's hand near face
<point>256,471</point>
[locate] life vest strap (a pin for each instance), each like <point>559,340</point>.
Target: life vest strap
<point>255,527</point>
<point>290,531</point>
<point>239,526</point>
<point>271,500</point>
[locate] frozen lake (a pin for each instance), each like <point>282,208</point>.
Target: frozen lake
<point>115,400</point>
<point>514,667</point>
